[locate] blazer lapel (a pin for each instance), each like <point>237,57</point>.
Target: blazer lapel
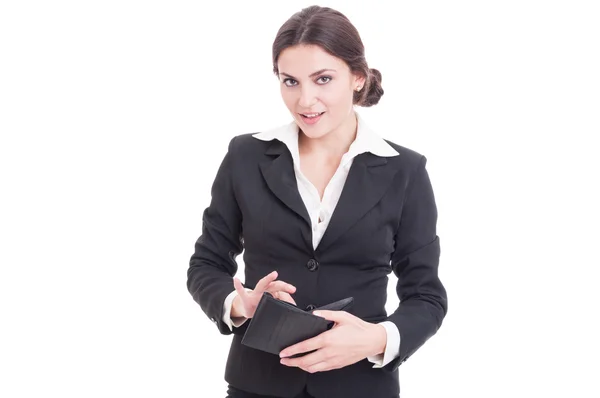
<point>368,180</point>
<point>281,180</point>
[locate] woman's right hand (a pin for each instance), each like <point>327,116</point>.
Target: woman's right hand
<point>245,303</point>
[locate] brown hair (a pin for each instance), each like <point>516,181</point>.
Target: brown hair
<point>335,34</point>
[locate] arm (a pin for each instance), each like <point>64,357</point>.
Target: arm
<point>212,266</point>
<point>423,301</point>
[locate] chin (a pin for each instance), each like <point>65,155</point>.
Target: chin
<point>319,130</point>
<point>313,135</point>
<point>313,132</point>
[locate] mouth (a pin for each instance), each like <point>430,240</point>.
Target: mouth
<point>309,115</point>
<point>311,118</point>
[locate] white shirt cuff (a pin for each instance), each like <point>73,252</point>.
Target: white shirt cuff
<point>231,322</point>
<point>392,347</point>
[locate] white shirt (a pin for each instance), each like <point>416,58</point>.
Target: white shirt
<point>320,211</point>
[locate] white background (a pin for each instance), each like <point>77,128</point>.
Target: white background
<point>115,115</point>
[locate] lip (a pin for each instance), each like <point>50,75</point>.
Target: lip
<point>311,121</point>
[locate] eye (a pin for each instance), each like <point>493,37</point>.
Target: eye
<point>285,81</point>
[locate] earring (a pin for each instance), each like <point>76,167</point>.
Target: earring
<point>358,88</point>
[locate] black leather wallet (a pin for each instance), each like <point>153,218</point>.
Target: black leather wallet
<point>277,324</point>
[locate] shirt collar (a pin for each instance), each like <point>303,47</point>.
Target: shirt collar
<point>366,140</point>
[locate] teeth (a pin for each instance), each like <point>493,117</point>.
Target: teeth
<point>311,114</point>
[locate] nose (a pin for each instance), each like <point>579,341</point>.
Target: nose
<point>308,97</point>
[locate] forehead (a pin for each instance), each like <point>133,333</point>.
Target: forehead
<point>302,60</point>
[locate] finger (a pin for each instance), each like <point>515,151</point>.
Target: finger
<point>262,284</point>
<point>285,297</point>
<point>304,346</point>
<point>336,316</point>
<point>305,361</point>
<point>281,286</point>
<point>239,288</point>
<point>321,367</point>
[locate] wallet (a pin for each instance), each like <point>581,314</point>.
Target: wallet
<point>277,324</point>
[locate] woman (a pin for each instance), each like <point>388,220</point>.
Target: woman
<point>274,198</point>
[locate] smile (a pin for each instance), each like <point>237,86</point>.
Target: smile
<point>311,118</point>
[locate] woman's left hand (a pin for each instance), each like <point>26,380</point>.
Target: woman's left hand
<point>350,340</point>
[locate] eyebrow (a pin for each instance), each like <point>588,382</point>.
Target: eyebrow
<point>311,75</point>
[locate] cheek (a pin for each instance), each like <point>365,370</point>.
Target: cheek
<point>337,96</point>
<point>288,97</point>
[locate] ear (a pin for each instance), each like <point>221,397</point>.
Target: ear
<point>358,81</point>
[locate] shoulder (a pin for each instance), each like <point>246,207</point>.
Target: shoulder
<point>408,158</point>
<point>247,145</point>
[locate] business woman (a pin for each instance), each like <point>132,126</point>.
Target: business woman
<point>323,208</point>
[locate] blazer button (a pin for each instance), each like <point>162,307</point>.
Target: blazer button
<point>312,264</point>
<point>310,307</point>
<point>213,320</point>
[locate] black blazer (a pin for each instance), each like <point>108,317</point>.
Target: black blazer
<point>385,221</point>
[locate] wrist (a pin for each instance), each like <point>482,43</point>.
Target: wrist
<point>379,339</point>
<point>235,308</point>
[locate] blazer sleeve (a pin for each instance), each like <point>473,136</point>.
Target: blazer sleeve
<point>213,265</point>
<point>423,300</point>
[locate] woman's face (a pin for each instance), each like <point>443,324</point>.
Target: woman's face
<point>313,81</point>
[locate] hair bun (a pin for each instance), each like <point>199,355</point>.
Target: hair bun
<point>375,91</point>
